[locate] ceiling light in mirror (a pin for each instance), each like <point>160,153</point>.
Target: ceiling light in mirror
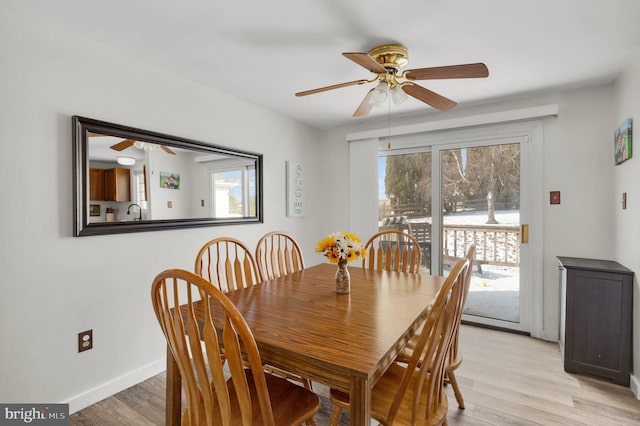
<point>126,161</point>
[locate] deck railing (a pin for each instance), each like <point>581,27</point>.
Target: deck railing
<point>495,244</point>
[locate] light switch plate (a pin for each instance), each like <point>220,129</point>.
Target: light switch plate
<point>554,197</point>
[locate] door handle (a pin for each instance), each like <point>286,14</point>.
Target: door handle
<point>524,234</point>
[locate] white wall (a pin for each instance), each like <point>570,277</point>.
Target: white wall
<point>54,285</point>
<point>182,203</point>
<point>626,177</point>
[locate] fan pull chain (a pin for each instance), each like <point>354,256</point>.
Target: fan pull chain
<point>389,120</point>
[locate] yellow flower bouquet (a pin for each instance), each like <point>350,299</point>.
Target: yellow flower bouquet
<point>341,247</point>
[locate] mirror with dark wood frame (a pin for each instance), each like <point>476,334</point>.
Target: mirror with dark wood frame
<point>133,180</point>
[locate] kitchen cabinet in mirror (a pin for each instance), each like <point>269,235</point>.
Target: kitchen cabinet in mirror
<point>146,181</point>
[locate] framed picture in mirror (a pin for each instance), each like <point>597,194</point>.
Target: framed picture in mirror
<point>622,142</point>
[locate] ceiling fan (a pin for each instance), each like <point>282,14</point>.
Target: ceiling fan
<point>126,143</point>
<point>386,61</point>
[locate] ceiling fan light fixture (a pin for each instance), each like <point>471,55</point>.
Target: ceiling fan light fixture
<point>398,95</point>
<point>138,144</point>
<point>126,161</point>
<point>380,93</point>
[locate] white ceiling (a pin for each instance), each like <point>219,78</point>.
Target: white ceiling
<point>265,51</point>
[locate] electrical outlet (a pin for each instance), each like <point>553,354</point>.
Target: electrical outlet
<point>85,340</point>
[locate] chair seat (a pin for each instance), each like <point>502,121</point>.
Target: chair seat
<point>382,397</point>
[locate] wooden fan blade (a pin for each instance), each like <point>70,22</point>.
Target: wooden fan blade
<point>365,61</point>
<point>365,106</point>
<point>122,145</point>
<point>167,150</point>
<point>335,86</point>
<point>428,97</point>
<point>478,70</point>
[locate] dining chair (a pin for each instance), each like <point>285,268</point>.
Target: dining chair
<point>228,264</point>
<point>278,254</point>
<point>454,357</point>
<point>393,251</point>
<point>227,390</point>
<point>414,393</point>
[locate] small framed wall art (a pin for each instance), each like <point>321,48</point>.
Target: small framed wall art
<point>295,189</point>
<point>169,180</point>
<point>622,141</point>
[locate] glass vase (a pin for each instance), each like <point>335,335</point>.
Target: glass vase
<point>343,279</point>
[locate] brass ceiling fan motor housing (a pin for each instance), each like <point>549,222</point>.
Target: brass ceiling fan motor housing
<point>390,56</point>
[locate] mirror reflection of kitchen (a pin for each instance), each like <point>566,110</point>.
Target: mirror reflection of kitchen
<point>138,181</point>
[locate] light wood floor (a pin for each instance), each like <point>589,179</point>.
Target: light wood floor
<point>506,379</point>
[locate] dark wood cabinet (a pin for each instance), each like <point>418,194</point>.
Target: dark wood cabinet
<point>110,184</point>
<point>96,184</point>
<point>117,184</point>
<point>596,316</point>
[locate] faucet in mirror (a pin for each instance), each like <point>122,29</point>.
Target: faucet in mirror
<point>139,210</point>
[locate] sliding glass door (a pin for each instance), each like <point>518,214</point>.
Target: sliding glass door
<point>480,204</point>
<point>452,195</point>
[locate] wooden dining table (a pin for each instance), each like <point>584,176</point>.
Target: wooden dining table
<point>345,341</point>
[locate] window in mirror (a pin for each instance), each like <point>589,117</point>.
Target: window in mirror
<point>232,192</point>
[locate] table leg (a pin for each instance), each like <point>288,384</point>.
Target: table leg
<point>173,409</point>
<point>360,401</point>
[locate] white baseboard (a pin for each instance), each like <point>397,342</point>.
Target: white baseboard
<point>114,386</point>
<point>635,386</point>
<point>550,336</point>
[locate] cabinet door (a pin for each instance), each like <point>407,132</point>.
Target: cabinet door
<point>96,185</point>
<point>123,184</point>
<point>117,184</point>
<point>597,333</point>
<point>109,185</point>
